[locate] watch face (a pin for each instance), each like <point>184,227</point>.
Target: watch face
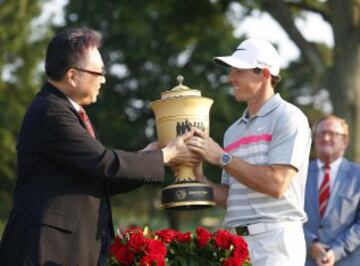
<point>225,159</point>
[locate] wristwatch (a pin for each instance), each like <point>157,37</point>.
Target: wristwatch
<point>225,159</point>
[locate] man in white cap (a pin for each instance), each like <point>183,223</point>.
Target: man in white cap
<point>264,160</point>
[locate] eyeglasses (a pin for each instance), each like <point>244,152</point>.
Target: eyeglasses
<point>332,134</point>
<point>96,73</point>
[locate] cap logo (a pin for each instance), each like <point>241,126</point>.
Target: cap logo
<point>240,49</point>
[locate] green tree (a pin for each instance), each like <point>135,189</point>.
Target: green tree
<point>20,56</point>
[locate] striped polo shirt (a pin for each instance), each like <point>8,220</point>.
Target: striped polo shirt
<point>279,133</point>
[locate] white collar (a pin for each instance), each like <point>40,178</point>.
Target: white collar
<point>76,106</point>
<point>333,165</point>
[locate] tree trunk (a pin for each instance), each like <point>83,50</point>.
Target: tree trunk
<point>344,76</point>
<point>344,89</point>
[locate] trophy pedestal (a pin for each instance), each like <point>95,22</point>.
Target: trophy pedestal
<point>187,196</point>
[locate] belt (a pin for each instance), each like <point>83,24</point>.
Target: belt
<point>259,228</point>
<point>242,230</point>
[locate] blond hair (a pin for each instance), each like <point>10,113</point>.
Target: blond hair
<point>342,122</point>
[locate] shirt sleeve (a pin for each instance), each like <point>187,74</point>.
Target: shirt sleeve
<point>291,140</point>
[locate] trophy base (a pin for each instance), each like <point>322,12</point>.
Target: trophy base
<point>187,196</point>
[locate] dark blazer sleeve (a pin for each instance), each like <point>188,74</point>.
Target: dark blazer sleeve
<point>64,140</point>
<point>124,185</point>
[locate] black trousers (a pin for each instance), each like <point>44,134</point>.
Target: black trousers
<point>105,234</point>
<point>105,245</point>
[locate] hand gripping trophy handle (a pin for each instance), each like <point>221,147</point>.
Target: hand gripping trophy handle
<point>177,112</point>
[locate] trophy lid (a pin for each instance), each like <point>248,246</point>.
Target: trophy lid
<point>180,91</point>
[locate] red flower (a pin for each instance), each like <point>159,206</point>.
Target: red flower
<point>203,236</point>
<point>232,261</point>
<point>136,246</point>
<point>115,245</point>
<point>136,241</point>
<point>133,229</point>
<point>238,241</point>
<point>121,252</point>
<point>240,248</point>
<point>155,246</point>
<point>166,235</point>
<point>183,237</point>
<point>152,259</point>
<point>242,254</point>
<point>223,239</point>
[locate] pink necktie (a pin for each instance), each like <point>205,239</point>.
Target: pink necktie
<point>324,192</point>
<point>86,121</point>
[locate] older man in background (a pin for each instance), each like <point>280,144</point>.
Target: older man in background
<point>332,200</point>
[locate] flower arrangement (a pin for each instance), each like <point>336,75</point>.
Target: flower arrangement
<point>141,247</point>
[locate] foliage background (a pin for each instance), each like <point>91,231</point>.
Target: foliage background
<point>146,45</point>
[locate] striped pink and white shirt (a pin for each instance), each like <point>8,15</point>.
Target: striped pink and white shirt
<point>278,134</point>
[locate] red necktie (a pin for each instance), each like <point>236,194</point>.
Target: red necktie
<point>324,191</point>
<point>86,121</point>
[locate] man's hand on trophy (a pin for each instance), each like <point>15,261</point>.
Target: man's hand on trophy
<point>205,146</point>
<point>177,152</point>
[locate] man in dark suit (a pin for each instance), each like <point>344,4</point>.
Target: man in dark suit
<point>61,211</point>
<point>332,199</point>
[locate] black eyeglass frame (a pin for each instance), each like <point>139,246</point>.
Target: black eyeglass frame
<point>96,73</point>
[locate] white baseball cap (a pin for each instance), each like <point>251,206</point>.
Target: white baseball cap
<point>253,53</point>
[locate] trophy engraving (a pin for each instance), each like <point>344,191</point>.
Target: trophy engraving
<point>179,110</point>
<point>182,127</point>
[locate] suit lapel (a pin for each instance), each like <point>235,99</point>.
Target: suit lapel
<point>50,89</point>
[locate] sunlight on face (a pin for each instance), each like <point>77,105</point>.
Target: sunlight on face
<point>330,140</point>
<point>89,84</point>
<point>246,84</point>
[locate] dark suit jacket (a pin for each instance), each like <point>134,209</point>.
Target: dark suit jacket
<point>340,226</point>
<point>63,176</point>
